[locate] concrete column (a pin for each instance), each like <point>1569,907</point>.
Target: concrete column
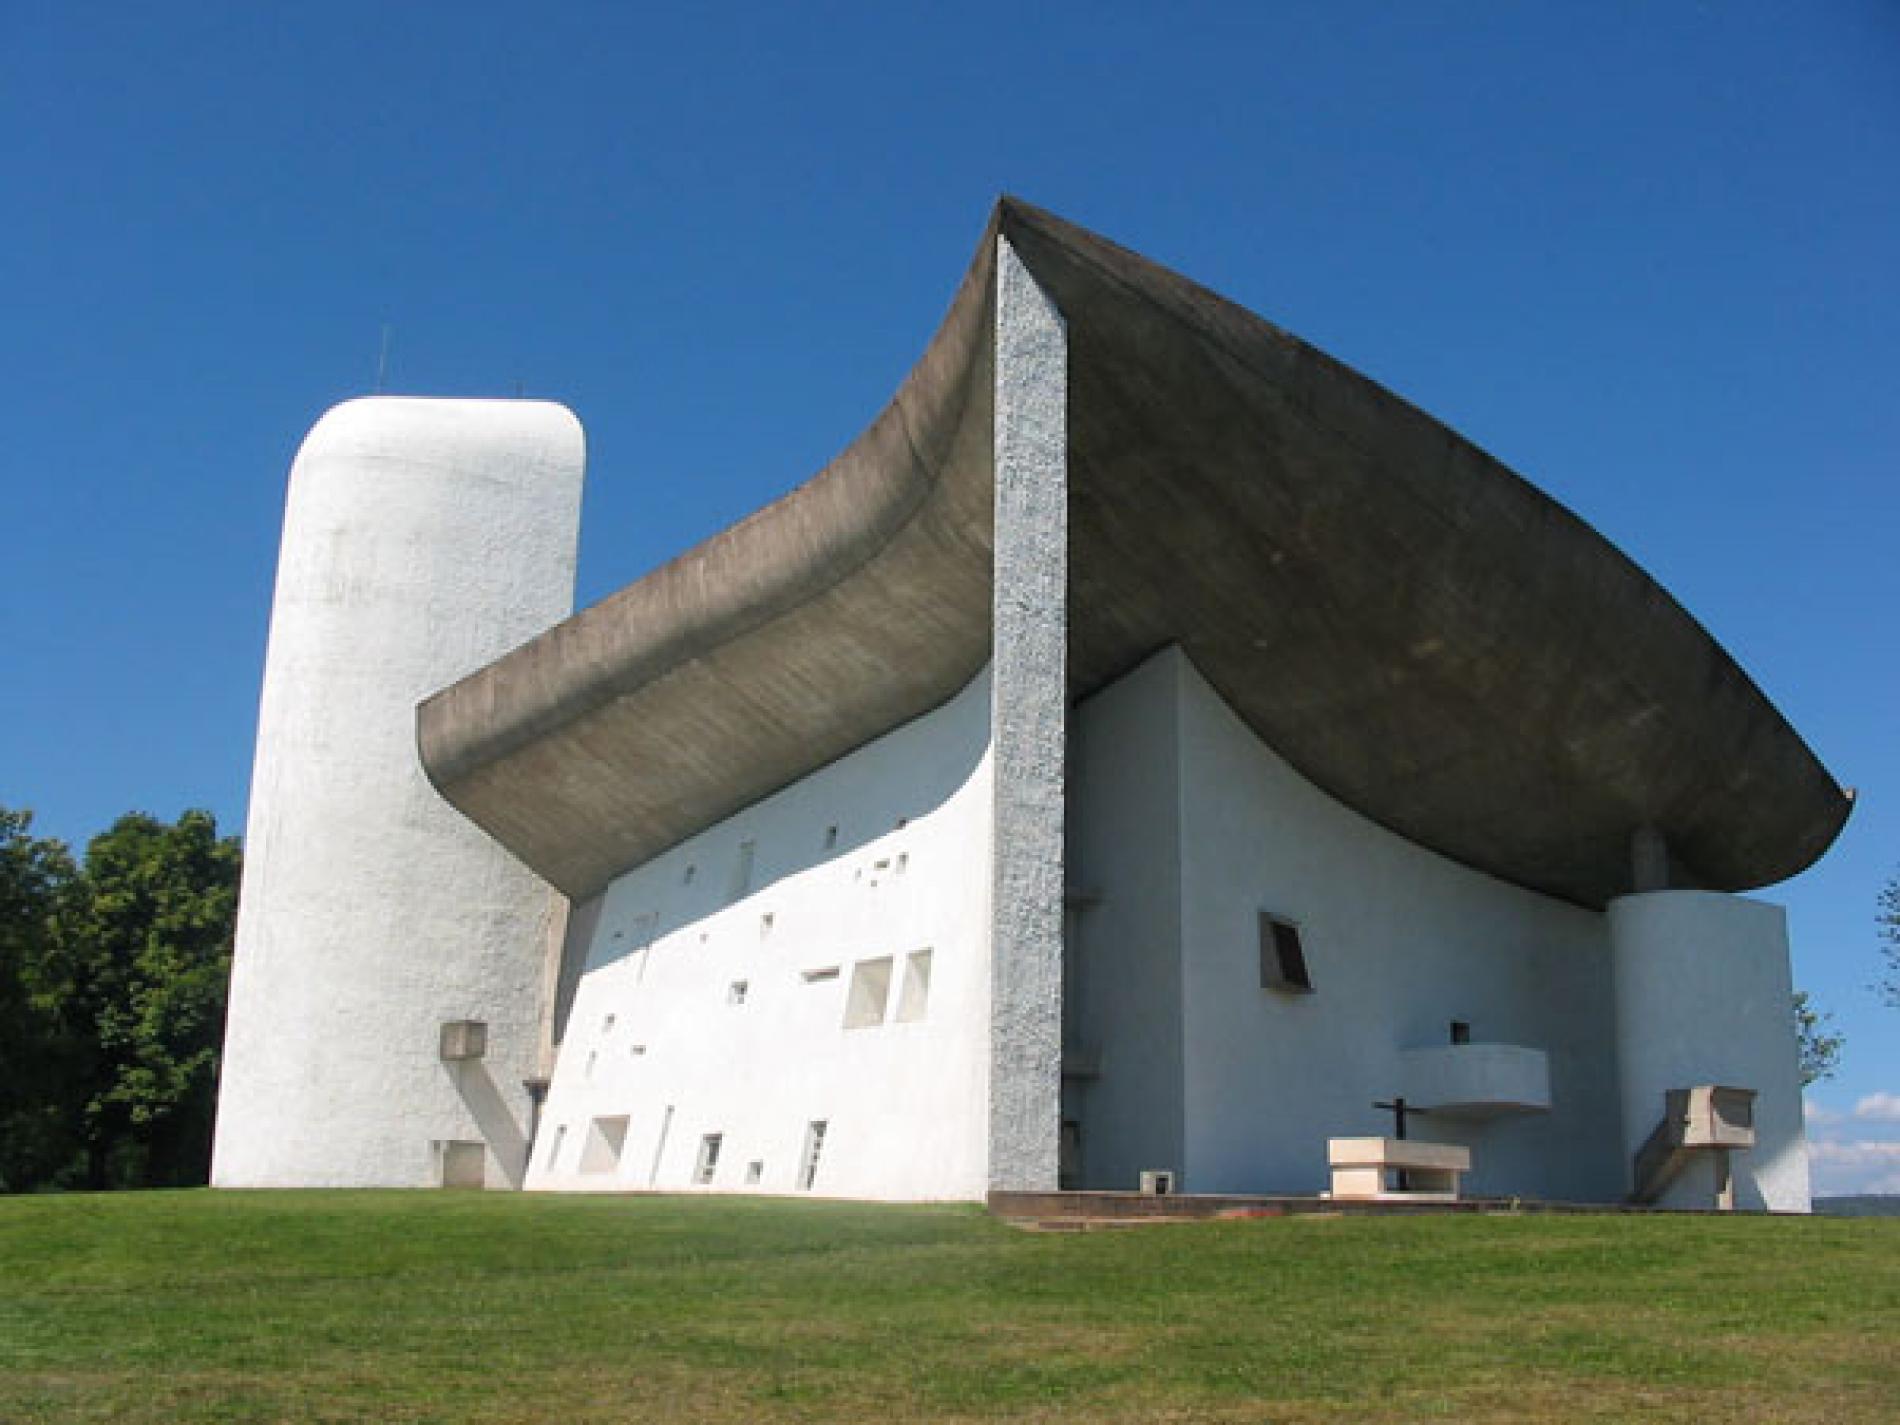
<point>1029,698</point>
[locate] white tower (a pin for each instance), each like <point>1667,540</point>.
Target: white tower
<point>422,539</point>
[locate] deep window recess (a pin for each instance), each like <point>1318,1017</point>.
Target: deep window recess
<point>1460,1032</point>
<point>915,998</point>
<point>736,992</point>
<point>755,1170</point>
<point>1282,956</point>
<point>870,989</point>
<point>606,1137</point>
<point>814,1145</point>
<point>708,1159</point>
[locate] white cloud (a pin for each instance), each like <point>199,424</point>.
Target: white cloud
<point>1879,1107</point>
<point>1868,1165</point>
<point>1816,1116</point>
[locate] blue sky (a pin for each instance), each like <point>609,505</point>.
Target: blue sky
<point>1647,254</point>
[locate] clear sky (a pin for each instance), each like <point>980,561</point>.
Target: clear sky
<point>1648,254</point>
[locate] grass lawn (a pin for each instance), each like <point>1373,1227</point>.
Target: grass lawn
<point>468,1307</point>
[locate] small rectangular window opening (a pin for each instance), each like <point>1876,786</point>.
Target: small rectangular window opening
<point>870,990</point>
<point>831,837</point>
<point>754,1170</point>
<point>708,1163</point>
<point>736,991</point>
<point>766,922</point>
<point>814,1145</point>
<point>1282,956</point>
<point>819,975</point>
<point>742,869</point>
<point>554,1148</point>
<point>691,871</point>
<point>915,998</point>
<point>1460,1032</point>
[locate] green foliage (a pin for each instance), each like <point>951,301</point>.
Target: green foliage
<point>1820,1050</point>
<point>121,969</point>
<point>36,877</point>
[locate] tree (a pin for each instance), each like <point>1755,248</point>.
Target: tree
<point>112,986</point>
<point>36,1137</point>
<point>1820,1051</point>
<point>147,953</point>
<point>1887,922</point>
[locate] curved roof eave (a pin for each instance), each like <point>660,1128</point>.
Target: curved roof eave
<point>1419,632</point>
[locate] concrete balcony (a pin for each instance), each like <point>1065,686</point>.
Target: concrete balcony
<point>1476,1080</point>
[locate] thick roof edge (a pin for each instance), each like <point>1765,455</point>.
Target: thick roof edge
<point>1423,634</point>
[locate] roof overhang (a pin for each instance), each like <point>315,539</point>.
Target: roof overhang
<point>1414,628</point>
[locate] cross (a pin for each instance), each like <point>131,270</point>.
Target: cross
<point>1398,1108</point>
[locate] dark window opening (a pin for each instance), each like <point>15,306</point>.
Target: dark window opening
<point>1460,1032</point>
<point>1282,956</point>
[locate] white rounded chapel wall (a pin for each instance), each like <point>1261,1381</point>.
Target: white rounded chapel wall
<point>422,538</point>
<point>1703,996</point>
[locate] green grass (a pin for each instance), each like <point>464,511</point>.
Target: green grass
<point>480,1308</point>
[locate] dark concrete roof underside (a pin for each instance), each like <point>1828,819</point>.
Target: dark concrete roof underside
<point>1414,628</point>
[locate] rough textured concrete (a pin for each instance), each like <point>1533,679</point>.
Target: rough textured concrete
<point>1415,629</point>
<point>1028,736</point>
<point>421,540</point>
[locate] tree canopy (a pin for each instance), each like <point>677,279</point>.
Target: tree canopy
<point>113,973</point>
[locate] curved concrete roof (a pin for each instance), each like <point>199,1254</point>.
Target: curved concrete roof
<point>1414,628</point>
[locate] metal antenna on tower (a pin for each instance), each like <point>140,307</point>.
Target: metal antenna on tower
<point>382,360</point>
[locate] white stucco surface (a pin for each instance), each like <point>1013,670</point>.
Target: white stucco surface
<point>882,856</point>
<point>1399,942</point>
<point>422,538</point>
<point>1703,995</point>
<point>1029,714</point>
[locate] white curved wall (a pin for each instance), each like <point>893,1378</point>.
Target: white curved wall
<point>884,853</point>
<point>1703,996</point>
<point>1185,827</point>
<point>422,539</point>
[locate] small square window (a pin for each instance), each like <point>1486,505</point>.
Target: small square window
<point>870,990</point>
<point>1282,956</point>
<point>606,1137</point>
<point>737,991</point>
<point>1460,1032</point>
<point>915,997</point>
<point>754,1170</point>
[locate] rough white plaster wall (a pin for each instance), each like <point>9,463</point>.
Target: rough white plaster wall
<point>1703,995</point>
<point>421,539</point>
<point>1399,941</point>
<point>1028,718</point>
<point>1122,996</point>
<point>653,1036</point>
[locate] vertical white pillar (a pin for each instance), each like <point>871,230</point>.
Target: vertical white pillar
<point>1029,704</point>
<point>421,540</point>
